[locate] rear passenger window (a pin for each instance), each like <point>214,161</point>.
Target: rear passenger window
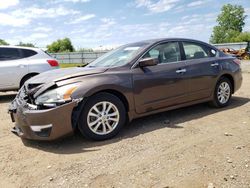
<point>197,51</point>
<point>9,54</point>
<point>28,53</point>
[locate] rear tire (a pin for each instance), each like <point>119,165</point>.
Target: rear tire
<point>102,117</point>
<point>222,93</point>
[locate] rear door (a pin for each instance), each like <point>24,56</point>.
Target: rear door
<point>162,85</point>
<point>202,68</point>
<point>12,68</point>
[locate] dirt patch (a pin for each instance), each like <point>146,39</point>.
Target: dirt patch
<point>196,146</point>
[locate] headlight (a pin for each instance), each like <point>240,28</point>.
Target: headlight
<point>58,95</point>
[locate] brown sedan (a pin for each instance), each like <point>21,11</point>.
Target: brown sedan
<point>132,81</point>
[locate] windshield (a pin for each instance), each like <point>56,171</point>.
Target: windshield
<point>119,56</point>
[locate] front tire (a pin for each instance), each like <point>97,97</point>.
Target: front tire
<point>222,93</point>
<point>102,117</point>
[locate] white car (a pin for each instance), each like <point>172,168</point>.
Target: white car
<point>18,64</point>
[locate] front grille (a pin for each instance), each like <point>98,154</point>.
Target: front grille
<point>24,99</point>
<point>22,96</point>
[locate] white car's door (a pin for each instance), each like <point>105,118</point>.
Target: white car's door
<point>12,68</point>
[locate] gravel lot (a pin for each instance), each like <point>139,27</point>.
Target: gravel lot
<point>197,146</point>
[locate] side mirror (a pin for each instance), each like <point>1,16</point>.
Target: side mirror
<point>148,62</point>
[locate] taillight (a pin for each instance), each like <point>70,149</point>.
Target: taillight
<point>237,61</point>
<point>53,63</point>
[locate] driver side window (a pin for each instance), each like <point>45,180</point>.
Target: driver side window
<point>165,53</point>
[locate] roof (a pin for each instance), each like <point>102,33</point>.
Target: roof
<point>157,40</point>
<point>166,39</point>
<point>18,47</point>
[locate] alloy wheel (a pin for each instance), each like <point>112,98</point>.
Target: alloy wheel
<point>103,118</point>
<point>223,92</point>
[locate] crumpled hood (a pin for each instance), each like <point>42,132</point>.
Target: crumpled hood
<point>63,74</point>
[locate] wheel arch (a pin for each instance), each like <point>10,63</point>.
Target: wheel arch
<point>230,77</point>
<point>26,77</point>
<point>76,112</point>
<point>118,94</point>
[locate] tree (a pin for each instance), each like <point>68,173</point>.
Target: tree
<point>3,42</point>
<point>61,45</point>
<point>231,21</point>
<point>242,37</point>
<point>26,44</point>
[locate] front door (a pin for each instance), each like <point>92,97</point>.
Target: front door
<point>162,85</point>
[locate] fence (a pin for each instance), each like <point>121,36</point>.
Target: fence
<point>87,57</point>
<point>235,46</point>
<point>77,57</point>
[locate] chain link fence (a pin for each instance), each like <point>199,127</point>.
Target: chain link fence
<point>236,46</point>
<point>87,57</point>
<point>77,57</point>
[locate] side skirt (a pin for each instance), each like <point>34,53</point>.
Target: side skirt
<point>133,115</point>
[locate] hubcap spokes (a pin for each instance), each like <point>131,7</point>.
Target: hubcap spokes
<point>103,118</point>
<point>224,92</point>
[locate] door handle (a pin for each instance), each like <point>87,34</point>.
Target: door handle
<point>214,64</point>
<point>21,66</point>
<point>181,71</point>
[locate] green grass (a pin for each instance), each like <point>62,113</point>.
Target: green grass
<point>66,65</point>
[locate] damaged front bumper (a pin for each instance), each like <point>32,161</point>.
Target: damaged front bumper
<point>45,124</point>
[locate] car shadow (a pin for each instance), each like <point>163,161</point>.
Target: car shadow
<point>7,97</point>
<point>169,119</point>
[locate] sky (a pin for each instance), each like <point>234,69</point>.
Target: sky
<point>93,23</point>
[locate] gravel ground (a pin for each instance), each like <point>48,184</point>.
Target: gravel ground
<point>197,146</point>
